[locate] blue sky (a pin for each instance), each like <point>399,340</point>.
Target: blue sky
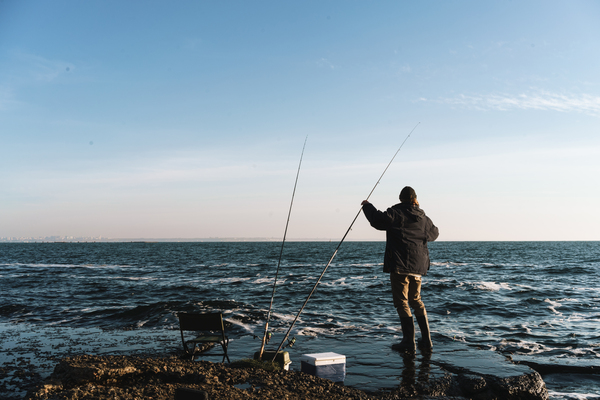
<point>187,119</point>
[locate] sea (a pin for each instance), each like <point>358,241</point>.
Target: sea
<point>532,301</point>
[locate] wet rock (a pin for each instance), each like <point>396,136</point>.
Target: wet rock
<point>128,377</point>
<point>486,375</point>
<point>125,377</point>
<point>472,384</point>
<point>476,387</point>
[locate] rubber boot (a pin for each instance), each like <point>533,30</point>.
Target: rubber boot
<point>425,342</point>
<point>408,336</point>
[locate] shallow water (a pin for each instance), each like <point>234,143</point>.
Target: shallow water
<point>537,300</point>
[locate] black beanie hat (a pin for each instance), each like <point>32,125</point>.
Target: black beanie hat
<point>408,194</point>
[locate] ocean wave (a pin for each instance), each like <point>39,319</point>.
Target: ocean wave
<point>562,395</point>
<point>250,328</point>
<point>553,306</point>
<point>259,281</point>
<point>221,281</point>
<point>125,278</point>
<point>365,265</point>
<point>491,286</point>
<point>38,266</point>
<point>523,347</point>
<point>447,264</point>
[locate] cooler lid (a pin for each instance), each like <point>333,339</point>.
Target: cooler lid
<point>323,358</point>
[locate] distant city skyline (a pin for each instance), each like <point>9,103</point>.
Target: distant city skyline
<point>187,119</point>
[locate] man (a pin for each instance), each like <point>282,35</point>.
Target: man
<point>408,230</point>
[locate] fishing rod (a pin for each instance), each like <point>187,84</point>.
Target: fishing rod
<point>264,339</point>
<point>339,245</point>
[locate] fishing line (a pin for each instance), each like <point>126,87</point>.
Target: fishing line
<point>264,339</point>
<point>339,245</point>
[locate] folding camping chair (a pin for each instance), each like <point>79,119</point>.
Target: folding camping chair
<point>210,328</point>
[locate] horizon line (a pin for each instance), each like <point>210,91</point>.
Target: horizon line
<point>71,239</point>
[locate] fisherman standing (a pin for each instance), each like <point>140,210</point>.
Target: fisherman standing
<point>406,258</point>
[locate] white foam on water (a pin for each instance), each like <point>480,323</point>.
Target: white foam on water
<point>132,278</point>
<point>248,328</point>
<point>226,312</point>
<point>367,265</point>
<point>579,317</point>
<point>525,287</point>
<point>586,289</point>
<point>226,280</point>
<point>491,286</point>
<point>337,282</point>
<point>447,264</point>
<point>88,266</point>
<point>553,306</point>
<point>553,395</point>
<point>524,346</point>
<point>64,321</point>
<point>314,332</point>
<point>284,317</point>
<point>268,280</point>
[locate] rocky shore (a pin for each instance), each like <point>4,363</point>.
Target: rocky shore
<point>158,378</point>
<point>66,363</point>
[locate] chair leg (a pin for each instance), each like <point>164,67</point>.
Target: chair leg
<point>193,352</point>
<point>224,346</point>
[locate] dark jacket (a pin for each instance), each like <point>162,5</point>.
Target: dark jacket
<point>408,230</point>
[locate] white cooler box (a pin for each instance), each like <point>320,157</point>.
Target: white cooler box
<point>330,366</point>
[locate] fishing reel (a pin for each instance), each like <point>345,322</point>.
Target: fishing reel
<point>290,343</point>
<point>267,337</point>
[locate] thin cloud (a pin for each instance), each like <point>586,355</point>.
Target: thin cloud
<point>23,70</point>
<point>39,68</point>
<point>405,69</point>
<point>325,63</point>
<point>583,103</point>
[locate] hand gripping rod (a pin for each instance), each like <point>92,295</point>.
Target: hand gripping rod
<point>338,246</point>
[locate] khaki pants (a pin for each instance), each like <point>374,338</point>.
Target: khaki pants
<point>406,291</point>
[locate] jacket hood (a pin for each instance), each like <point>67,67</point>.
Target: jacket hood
<point>411,211</point>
